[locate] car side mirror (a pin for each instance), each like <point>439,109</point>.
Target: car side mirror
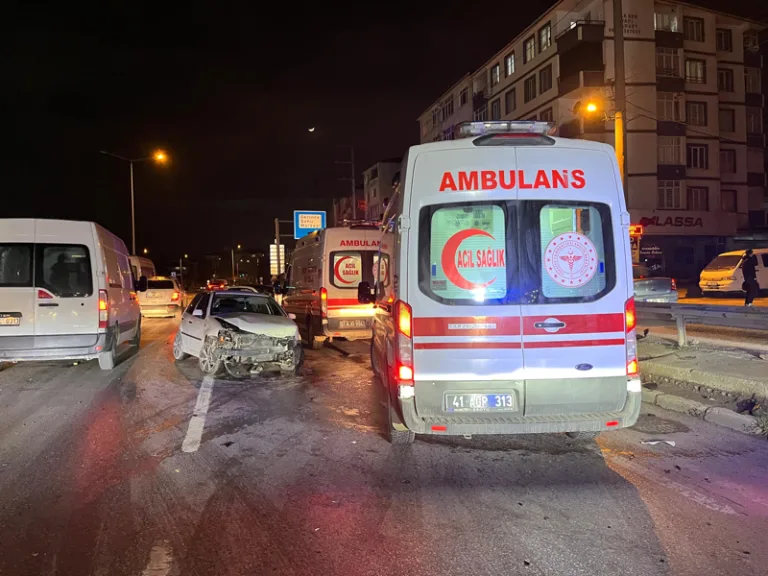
<point>142,284</point>
<point>364,293</point>
<point>291,315</point>
<point>197,312</point>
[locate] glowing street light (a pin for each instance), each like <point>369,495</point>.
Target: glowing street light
<point>160,157</point>
<point>146,251</point>
<point>591,107</point>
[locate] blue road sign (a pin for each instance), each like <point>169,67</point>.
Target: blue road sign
<point>306,221</point>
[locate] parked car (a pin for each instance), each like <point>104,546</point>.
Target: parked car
<point>651,288</point>
<point>258,289</point>
<point>724,274</point>
<point>163,298</point>
<point>67,292</point>
<point>216,285</point>
<point>240,332</point>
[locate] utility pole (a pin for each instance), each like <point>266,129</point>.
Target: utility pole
<point>620,132</point>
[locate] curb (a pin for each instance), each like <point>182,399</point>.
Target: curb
<point>714,414</point>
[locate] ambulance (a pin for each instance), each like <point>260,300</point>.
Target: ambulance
<point>323,277</point>
<point>508,306</point>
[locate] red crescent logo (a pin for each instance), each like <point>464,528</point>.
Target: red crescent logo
<point>336,270</point>
<point>448,259</point>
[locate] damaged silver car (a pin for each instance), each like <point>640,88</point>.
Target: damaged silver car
<point>240,333</point>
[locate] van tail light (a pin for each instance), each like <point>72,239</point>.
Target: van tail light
<point>404,332</point>
<point>175,296</point>
<point>323,303</point>
<point>103,309</point>
<point>630,315</point>
<point>674,284</point>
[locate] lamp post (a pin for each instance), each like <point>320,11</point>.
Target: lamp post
<point>158,156</point>
<point>234,276</point>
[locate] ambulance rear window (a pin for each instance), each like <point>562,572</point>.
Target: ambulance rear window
<point>350,267</point>
<point>516,252</point>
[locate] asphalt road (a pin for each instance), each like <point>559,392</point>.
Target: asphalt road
<point>152,470</point>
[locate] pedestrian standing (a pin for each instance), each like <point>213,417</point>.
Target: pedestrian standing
<point>749,270</point>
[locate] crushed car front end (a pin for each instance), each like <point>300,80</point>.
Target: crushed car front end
<point>249,353</point>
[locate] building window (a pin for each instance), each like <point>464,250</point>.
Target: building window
<point>667,62</point>
<point>545,37</point>
<point>547,115</point>
<point>727,120</point>
<point>668,106</point>
<point>463,97</point>
<point>481,114</point>
<point>696,71</point>
<point>545,79</point>
<point>694,29</point>
<point>665,21</point>
<point>529,49</point>
<point>448,107</point>
<point>495,75</point>
<point>754,120</point>
<point>670,150</point>
<point>509,65</point>
<point>696,113</point>
<point>697,198</point>
<point>727,161</point>
<point>697,156</point>
<point>530,88</point>
<point>724,40</point>
<point>496,109</point>
<point>725,80</point>
<point>752,80</point>
<point>510,100</point>
<point>669,195</point>
<point>435,116</point>
<point>751,41</point>
<point>728,200</point>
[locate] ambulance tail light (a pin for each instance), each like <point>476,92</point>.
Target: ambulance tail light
<point>630,316</point>
<point>404,332</point>
<point>103,309</point>
<point>323,302</point>
<point>674,284</point>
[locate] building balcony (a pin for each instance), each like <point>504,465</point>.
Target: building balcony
<point>755,140</point>
<point>580,32</point>
<point>581,79</point>
<point>670,171</point>
<point>754,99</point>
<point>667,39</point>
<point>479,100</point>
<point>756,179</point>
<point>669,80</point>
<point>753,58</point>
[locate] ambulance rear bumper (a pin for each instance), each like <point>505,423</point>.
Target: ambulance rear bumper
<point>517,424</point>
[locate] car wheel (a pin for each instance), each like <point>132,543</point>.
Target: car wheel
<point>374,368</point>
<point>208,362</point>
<point>178,351</point>
<point>107,357</point>
<point>582,436</point>
<point>396,432</point>
<point>136,340</point>
<point>311,338</point>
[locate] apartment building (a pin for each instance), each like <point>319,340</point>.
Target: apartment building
<point>695,141</point>
<point>377,187</point>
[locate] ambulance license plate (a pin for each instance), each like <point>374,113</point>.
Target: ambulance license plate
<point>480,403</point>
<point>10,318</point>
<point>353,324</point>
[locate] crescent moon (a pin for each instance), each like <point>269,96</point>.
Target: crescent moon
<point>312,129</point>
<point>336,270</point>
<point>448,259</point>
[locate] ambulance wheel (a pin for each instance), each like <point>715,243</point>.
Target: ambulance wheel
<point>396,431</point>
<point>373,362</point>
<point>582,436</point>
<point>311,339</point>
<point>107,357</point>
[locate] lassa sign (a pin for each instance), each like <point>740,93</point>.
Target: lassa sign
<point>459,263</point>
<point>508,179</point>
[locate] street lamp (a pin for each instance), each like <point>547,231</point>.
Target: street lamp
<point>234,276</point>
<point>146,251</point>
<point>158,156</point>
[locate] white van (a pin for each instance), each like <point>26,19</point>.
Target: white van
<point>511,304</point>
<point>66,292</point>
<point>724,273</point>
<point>141,266</point>
<point>324,272</point>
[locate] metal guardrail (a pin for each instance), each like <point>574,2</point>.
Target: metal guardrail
<point>726,316</point>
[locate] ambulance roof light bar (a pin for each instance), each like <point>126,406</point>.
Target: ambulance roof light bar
<point>470,129</point>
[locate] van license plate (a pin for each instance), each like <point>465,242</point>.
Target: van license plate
<point>353,324</point>
<point>10,318</point>
<point>480,403</point>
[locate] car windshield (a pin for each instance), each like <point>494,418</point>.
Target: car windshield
<point>160,285</point>
<point>725,262</point>
<point>256,304</point>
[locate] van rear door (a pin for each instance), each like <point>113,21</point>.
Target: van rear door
<point>461,284</point>
<point>573,267</point>
<point>17,316</point>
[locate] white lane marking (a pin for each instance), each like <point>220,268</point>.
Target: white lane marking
<point>160,559</point>
<point>197,423</point>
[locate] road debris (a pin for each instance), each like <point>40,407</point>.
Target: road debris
<point>655,442</point>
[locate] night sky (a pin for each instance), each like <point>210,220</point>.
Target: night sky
<point>229,91</point>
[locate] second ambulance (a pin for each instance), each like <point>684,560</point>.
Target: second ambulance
<point>506,306</point>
